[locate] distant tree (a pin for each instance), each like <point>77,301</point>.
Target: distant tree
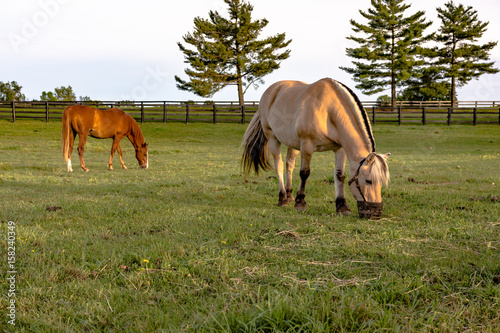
<point>48,96</point>
<point>226,51</point>
<point>85,99</point>
<point>11,91</point>
<point>460,58</point>
<point>430,85</point>
<point>60,94</point>
<point>390,48</point>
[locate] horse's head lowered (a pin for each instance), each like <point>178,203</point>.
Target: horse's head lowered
<point>141,153</point>
<point>366,184</point>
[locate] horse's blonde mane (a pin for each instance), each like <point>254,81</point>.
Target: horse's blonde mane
<point>360,114</point>
<point>379,170</point>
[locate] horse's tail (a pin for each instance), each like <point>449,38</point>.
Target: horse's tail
<point>66,132</point>
<point>255,148</point>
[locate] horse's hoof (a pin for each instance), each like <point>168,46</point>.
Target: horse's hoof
<point>342,207</point>
<point>300,203</point>
<point>86,170</point>
<point>283,200</point>
<point>124,167</point>
<point>301,206</point>
<point>110,168</point>
<point>283,203</point>
<point>345,212</point>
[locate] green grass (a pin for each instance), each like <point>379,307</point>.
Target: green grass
<point>190,246</point>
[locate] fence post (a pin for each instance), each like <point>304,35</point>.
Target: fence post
<point>47,111</point>
<point>242,114</point>
<point>142,112</point>
<point>373,113</point>
<point>423,116</point>
<point>475,116</point>
<point>164,112</point>
<point>13,111</point>
<point>187,113</point>
<point>399,115</point>
<point>449,116</point>
<point>214,108</point>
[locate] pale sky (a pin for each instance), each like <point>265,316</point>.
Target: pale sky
<point>127,50</point>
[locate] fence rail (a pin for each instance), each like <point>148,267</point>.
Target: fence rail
<point>466,112</point>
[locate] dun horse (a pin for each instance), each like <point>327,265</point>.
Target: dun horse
<point>102,124</point>
<point>322,116</point>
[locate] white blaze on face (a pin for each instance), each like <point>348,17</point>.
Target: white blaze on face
<point>147,161</point>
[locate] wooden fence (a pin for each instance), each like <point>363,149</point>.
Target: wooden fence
<point>476,112</point>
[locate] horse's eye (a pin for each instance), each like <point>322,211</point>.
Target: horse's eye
<point>369,182</point>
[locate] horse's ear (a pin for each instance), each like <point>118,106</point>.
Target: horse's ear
<point>370,158</point>
<point>145,145</point>
<point>386,156</point>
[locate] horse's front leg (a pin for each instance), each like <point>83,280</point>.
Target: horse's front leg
<point>306,151</point>
<point>290,164</point>
<point>121,157</point>
<point>114,146</point>
<point>275,149</point>
<point>82,139</point>
<point>340,202</point>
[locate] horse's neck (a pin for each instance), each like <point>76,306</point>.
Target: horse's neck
<point>356,151</point>
<point>135,136</point>
<point>355,143</point>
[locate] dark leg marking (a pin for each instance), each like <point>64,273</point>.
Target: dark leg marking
<point>340,176</point>
<point>283,199</point>
<point>342,207</point>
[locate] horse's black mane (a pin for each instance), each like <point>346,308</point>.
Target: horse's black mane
<point>363,114</point>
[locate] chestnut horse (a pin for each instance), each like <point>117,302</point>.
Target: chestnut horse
<point>322,116</point>
<point>102,124</point>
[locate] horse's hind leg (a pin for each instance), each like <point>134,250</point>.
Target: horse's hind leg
<point>275,149</point>
<point>72,136</point>
<point>81,143</point>
<point>340,202</point>
<point>306,151</point>
<point>290,164</point>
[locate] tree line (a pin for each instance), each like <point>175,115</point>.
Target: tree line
<point>393,52</point>
<point>11,91</point>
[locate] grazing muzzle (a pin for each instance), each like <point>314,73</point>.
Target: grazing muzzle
<point>370,210</point>
<point>366,209</point>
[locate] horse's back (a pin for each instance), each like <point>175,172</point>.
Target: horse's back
<point>294,110</point>
<point>98,123</point>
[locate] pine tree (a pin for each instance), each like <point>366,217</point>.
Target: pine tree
<point>391,48</point>
<point>429,85</point>
<point>460,58</point>
<point>226,51</point>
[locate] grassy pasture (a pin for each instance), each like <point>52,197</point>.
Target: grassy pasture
<point>190,246</point>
